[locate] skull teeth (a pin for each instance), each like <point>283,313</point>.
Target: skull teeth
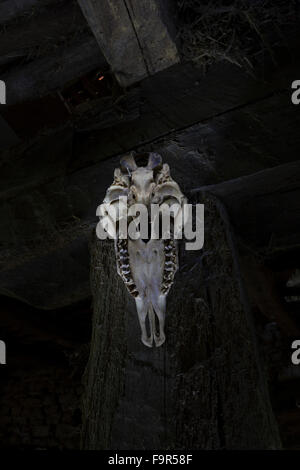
<point>168,276</point>
<point>166,286</point>
<point>124,266</point>
<point>125,271</point>
<point>170,265</point>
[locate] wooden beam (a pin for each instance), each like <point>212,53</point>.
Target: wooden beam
<point>10,9</point>
<point>132,36</point>
<point>235,114</point>
<point>42,31</point>
<point>264,211</point>
<point>42,76</point>
<point>157,45</point>
<point>264,207</point>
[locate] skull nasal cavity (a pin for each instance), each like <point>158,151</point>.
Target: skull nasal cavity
<point>149,160</point>
<point>142,159</point>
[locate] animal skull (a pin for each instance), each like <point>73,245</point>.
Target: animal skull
<point>147,267</point>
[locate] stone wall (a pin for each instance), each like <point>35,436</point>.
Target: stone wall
<point>40,407</point>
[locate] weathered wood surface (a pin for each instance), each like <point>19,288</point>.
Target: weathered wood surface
<point>204,389</point>
<point>45,26</point>
<point>47,74</point>
<point>264,207</point>
<point>105,369</point>
<point>106,113</point>
<point>152,23</point>
<point>10,9</point>
<point>8,137</point>
<point>132,37</point>
<point>227,104</point>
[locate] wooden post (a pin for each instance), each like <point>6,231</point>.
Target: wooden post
<point>133,36</point>
<point>205,388</point>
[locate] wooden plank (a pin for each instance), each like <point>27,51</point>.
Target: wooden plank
<point>264,207</point>
<point>42,31</point>
<point>133,47</point>
<point>157,46</point>
<point>181,96</point>
<point>41,76</point>
<point>113,30</point>
<point>236,143</point>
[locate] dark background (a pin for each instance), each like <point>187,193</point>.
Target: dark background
<point>219,109</point>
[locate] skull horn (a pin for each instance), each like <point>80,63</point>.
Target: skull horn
<point>154,161</point>
<point>128,164</point>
